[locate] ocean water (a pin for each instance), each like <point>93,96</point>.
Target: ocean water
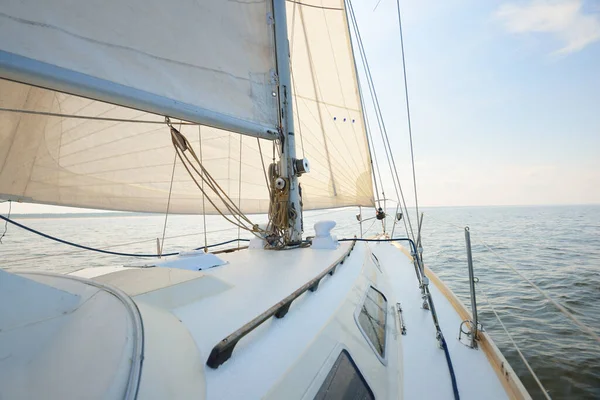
<point>557,247</point>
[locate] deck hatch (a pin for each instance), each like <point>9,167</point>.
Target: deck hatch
<point>372,318</point>
<point>344,381</point>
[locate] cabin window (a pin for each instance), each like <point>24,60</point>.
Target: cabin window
<point>372,319</point>
<point>344,381</point>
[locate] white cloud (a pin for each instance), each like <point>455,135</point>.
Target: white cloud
<point>563,18</point>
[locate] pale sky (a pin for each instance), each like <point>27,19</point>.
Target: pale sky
<point>504,96</point>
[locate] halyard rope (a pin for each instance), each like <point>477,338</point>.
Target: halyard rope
<point>182,147</point>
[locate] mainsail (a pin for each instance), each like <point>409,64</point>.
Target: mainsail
<point>122,69</point>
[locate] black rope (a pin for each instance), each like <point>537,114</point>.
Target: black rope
<point>8,220</point>
<point>450,367</point>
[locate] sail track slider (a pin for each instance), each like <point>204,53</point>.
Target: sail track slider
<point>223,350</point>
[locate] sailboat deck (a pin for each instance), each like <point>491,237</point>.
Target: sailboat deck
<point>256,286</point>
<point>426,373</point>
<point>290,357</point>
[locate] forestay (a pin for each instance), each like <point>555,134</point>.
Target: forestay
<point>211,57</point>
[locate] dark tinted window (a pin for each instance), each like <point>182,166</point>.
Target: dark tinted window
<point>372,318</point>
<point>344,381</point>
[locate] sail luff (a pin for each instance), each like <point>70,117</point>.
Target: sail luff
<point>22,69</point>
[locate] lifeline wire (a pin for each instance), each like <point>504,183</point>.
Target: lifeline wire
<point>8,220</point>
<point>558,306</point>
<point>515,344</point>
<point>68,253</point>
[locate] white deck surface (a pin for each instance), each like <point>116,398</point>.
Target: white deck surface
<point>272,348</point>
<point>290,357</point>
<point>426,373</point>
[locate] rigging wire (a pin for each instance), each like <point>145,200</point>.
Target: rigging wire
<point>262,160</point>
<point>382,128</point>
<point>560,307</point>
<point>115,253</point>
<point>535,377</point>
<point>68,253</point>
<point>203,197</point>
<point>6,221</point>
<point>381,124</point>
<point>371,146</point>
<point>505,263</point>
<point>412,155</point>
<point>369,228</point>
<point>240,186</point>
<point>162,243</point>
<point>183,147</point>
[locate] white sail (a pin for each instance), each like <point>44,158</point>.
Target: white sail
<point>327,111</point>
<point>107,164</point>
<point>209,61</point>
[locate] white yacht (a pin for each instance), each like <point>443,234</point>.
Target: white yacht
<point>214,107</point>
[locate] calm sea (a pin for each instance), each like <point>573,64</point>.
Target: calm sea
<point>557,247</point>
